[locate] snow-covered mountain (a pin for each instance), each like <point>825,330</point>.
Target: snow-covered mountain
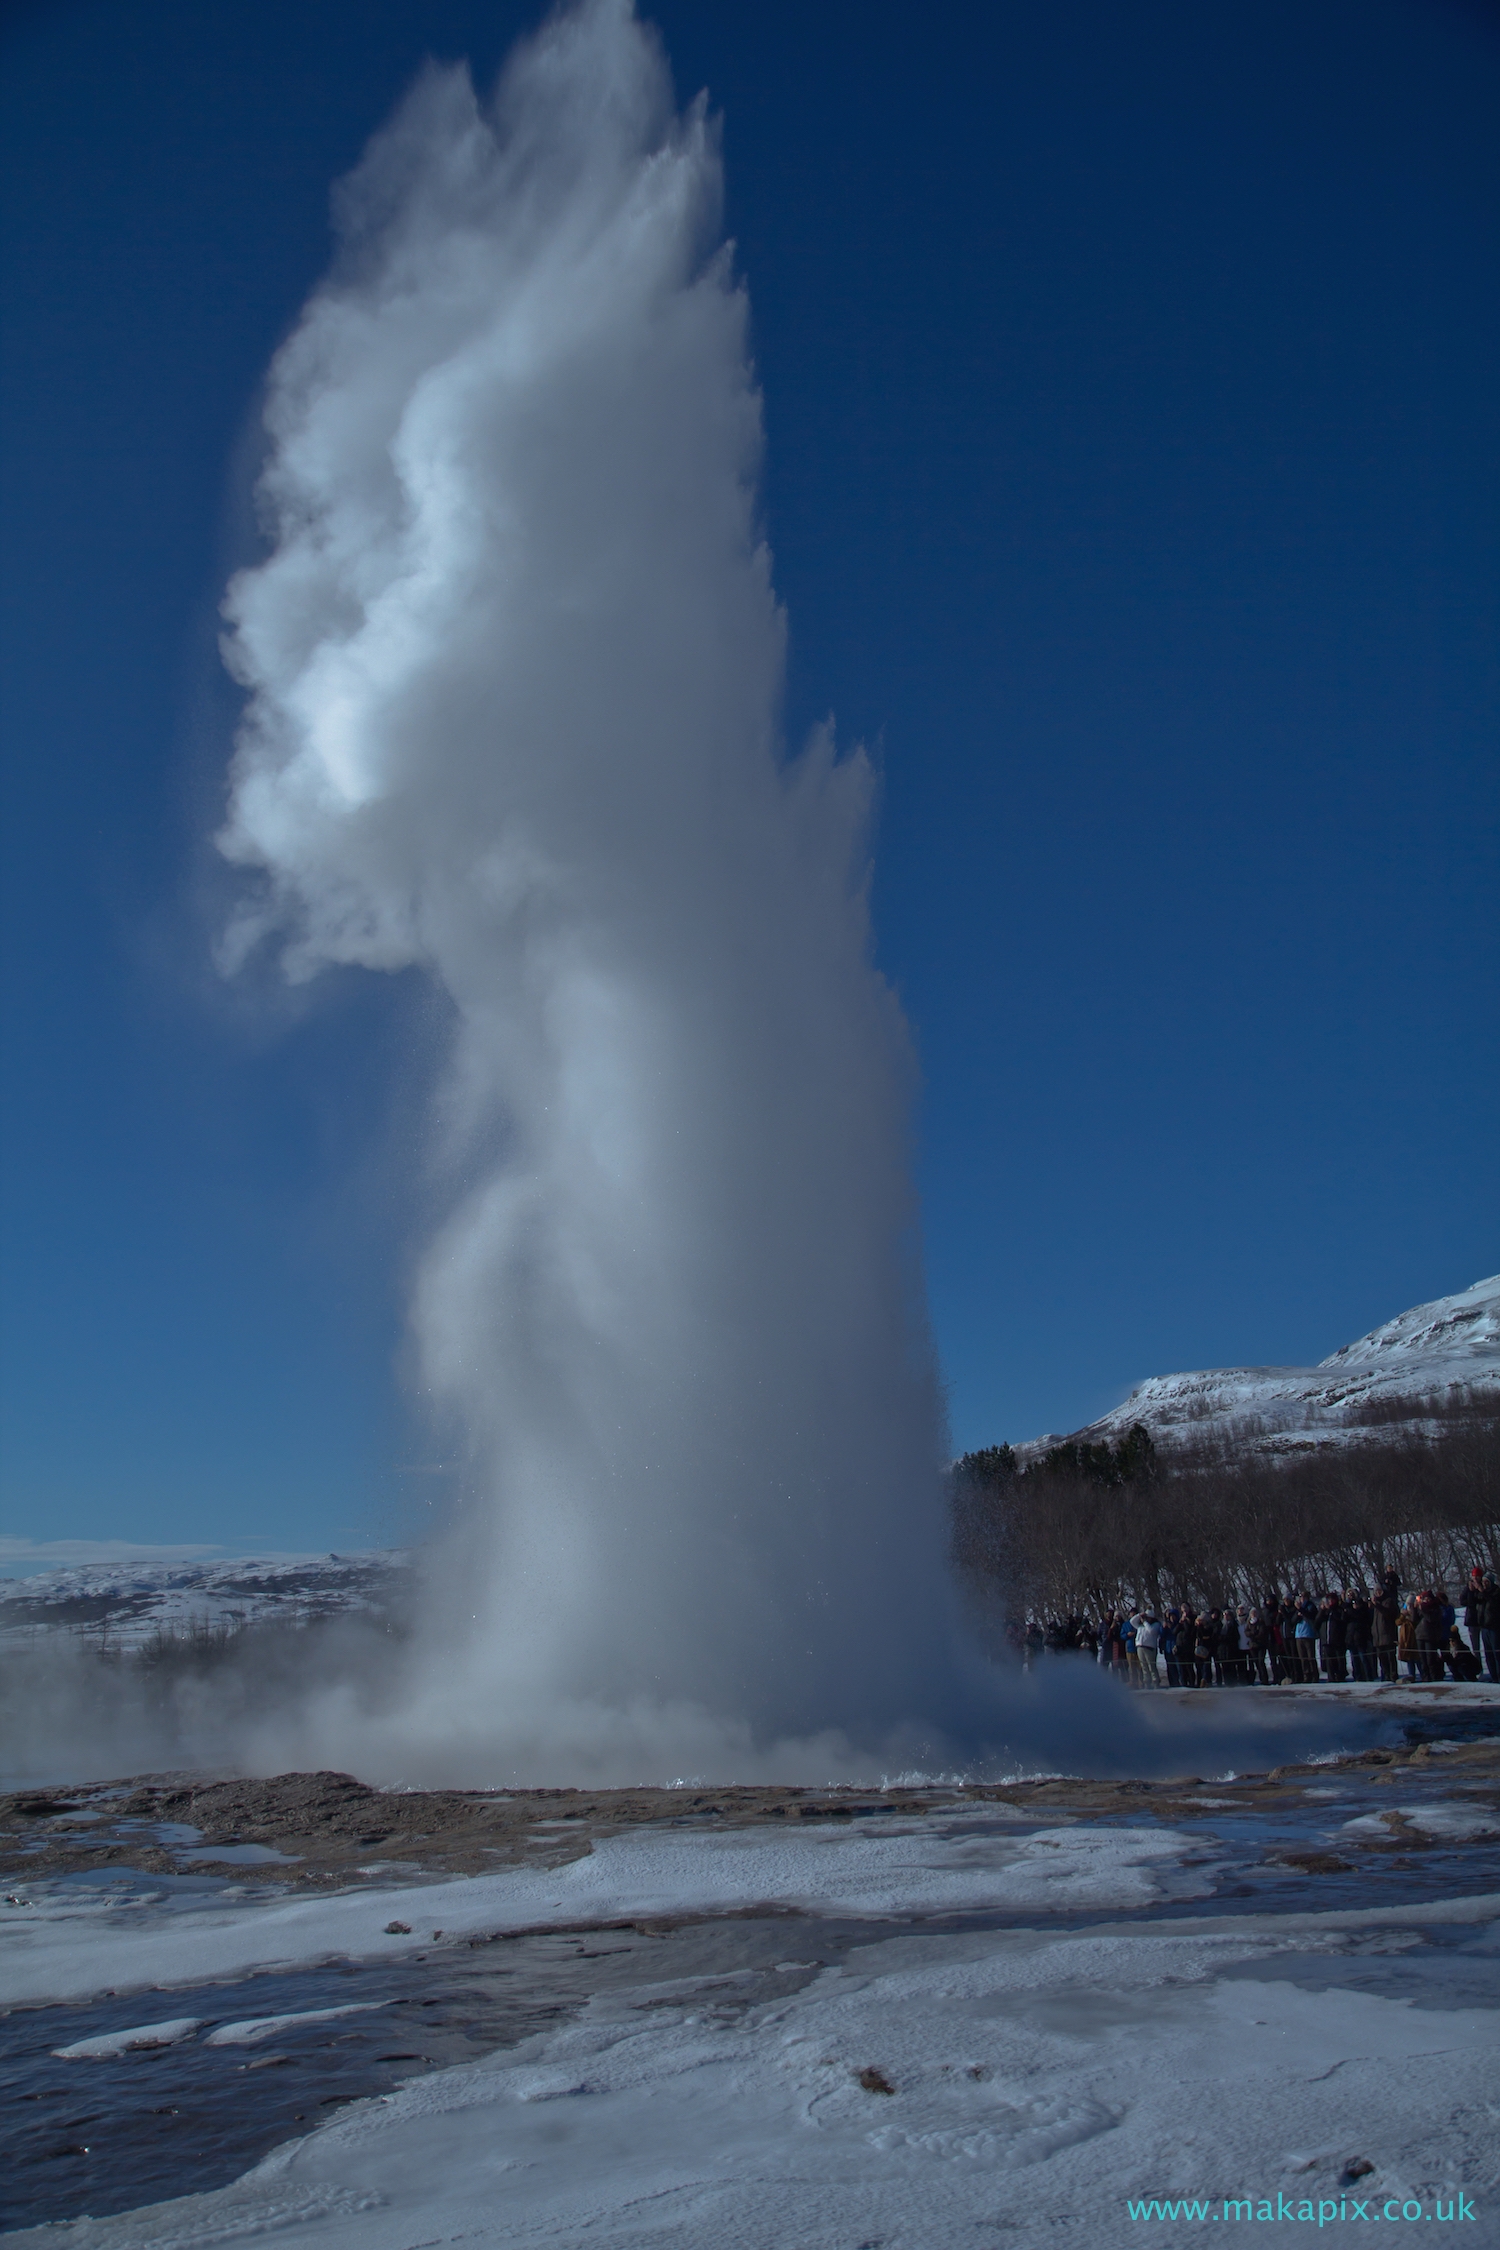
<point>123,1603</point>
<point>1410,1374</point>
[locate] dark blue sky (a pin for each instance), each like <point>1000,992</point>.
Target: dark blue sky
<point>1130,381</point>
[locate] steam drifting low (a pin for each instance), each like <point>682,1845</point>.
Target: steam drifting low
<point>514,672</point>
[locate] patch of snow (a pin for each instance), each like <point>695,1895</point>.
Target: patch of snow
<point>253,2029</point>
<point>1458,1823</point>
<point>110,2043</point>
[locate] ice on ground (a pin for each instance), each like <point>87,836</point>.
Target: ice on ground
<point>932,2091</point>
<point>68,1947</point>
<point>1450,1823</point>
<point>110,2043</point>
<point>253,2029</point>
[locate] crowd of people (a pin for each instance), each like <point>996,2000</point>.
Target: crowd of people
<point>1353,1633</point>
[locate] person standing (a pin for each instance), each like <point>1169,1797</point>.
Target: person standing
<point>1406,1638</point>
<point>1186,1647</point>
<point>1385,1610</point>
<point>1206,1630</point>
<point>1474,1613</point>
<point>1324,1605</point>
<point>1335,1630</point>
<point>1170,1626</point>
<point>1359,1633</point>
<point>1489,1628</point>
<point>1147,1642</point>
<point>1276,1648</point>
<point>1257,1641</point>
<point>1305,1634</point>
<point>1431,1635</point>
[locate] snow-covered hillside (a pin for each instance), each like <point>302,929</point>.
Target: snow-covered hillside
<point>124,1603</point>
<point>1407,1374</point>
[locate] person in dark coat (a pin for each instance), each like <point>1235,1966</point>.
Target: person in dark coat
<point>1461,1660</point>
<point>1185,1652</point>
<point>1227,1649</point>
<point>1431,1635</point>
<point>1171,1620</point>
<point>1385,1609</point>
<point>1208,1647</point>
<point>1291,1647</point>
<point>1359,1634</point>
<point>1489,1629</point>
<point>1335,1637</point>
<point>1473,1603</point>
<point>1285,1664</point>
<point>1305,1637</point>
<point>1257,1641</point>
<point>1208,1628</point>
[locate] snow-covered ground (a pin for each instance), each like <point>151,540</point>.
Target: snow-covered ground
<point>1115,2038</point>
<point>123,1601</point>
<point>1440,1354</point>
<point>932,2091</point>
<point>73,1946</point>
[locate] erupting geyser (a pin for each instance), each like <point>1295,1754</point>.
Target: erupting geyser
<point>515,670</point>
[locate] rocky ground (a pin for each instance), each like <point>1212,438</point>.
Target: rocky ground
<point>331,1829</point>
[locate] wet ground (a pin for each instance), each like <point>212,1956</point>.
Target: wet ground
<point>311,1830</point>
<point>1392,1827</point>
<point>106,2135</point>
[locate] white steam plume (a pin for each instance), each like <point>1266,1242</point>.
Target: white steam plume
<point>515,672</point>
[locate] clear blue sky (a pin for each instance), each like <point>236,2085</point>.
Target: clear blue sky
<point>1130,379</point>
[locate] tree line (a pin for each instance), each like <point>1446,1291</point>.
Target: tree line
<point>1089,1525</point>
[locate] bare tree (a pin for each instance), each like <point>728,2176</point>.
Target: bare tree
<point>1414,1487</point>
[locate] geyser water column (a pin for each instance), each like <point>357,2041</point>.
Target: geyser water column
<point>514,671</point>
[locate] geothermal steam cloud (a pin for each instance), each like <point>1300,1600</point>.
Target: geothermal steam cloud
<point>514,669</point>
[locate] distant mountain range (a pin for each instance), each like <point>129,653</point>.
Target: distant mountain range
<point>1412,1376</point>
